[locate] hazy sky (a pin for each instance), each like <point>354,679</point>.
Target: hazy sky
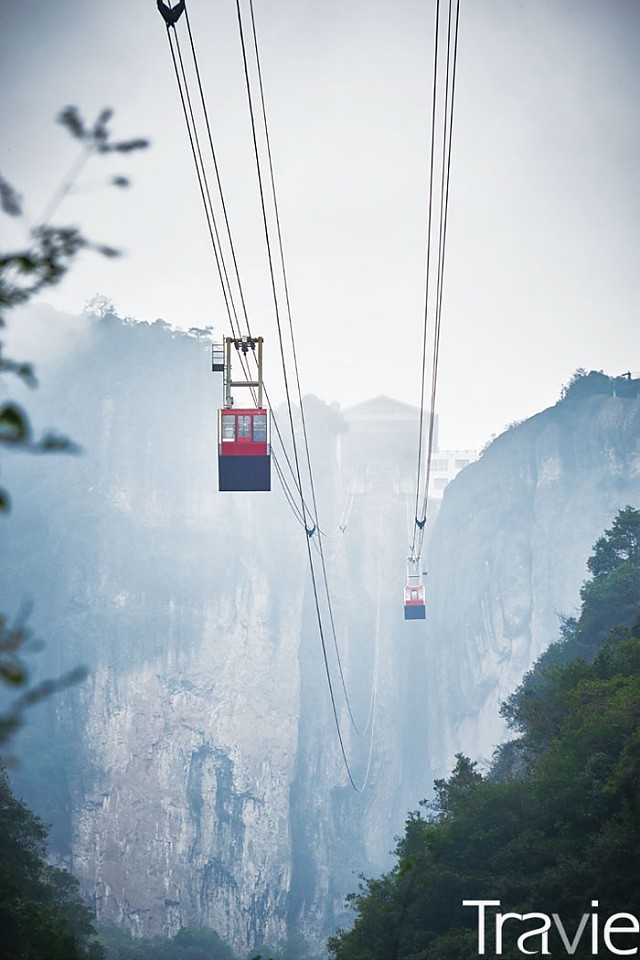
<point>543,268</point>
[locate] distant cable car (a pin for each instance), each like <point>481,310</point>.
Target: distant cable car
<point>414,605</point>
<point>414,592</point>
<point>244,450</point>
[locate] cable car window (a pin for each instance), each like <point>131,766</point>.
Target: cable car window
<point>228,427</point>
<point>260,427</point>
<point>244,427</point>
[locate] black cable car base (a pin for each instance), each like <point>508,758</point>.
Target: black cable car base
<point>244,473</point>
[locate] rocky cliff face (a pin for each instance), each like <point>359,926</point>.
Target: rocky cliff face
<point>196,778</point>
<point>508,556</point>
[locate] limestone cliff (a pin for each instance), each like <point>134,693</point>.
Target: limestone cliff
<point>508,556</point>
<point>196,778</point>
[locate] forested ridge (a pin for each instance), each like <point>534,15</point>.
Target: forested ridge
<point>554,826</point>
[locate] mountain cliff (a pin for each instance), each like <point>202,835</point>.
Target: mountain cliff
<point>508,552</point>
<point>196,777</point>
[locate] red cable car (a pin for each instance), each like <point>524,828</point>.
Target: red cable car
<point>244,462</point>
<point>414,605</point>
<point>244,450</point>
<point>414,592</point>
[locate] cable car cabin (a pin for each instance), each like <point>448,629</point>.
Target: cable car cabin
<point>414,605</point>
<point>244,453</point>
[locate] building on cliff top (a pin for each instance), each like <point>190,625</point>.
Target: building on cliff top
<point>381,445</point>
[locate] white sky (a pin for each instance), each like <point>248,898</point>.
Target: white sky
<point>542,271</point>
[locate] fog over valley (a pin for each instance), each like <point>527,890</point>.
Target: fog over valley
<point>319,480</point>
<point>196,779</point>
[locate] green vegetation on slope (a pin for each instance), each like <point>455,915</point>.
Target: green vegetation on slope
<point>42,916</point>
<point>193,943</point>
<point>555,826</point>
<point>595,383</point>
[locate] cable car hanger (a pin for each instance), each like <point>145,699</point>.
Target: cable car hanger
<point>171,15</point>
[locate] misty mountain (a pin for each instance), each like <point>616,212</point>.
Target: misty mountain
<point>509,551</point>
<point>196,778</point>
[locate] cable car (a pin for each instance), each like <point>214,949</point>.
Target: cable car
<point>414,605</point>
<point>414,592</point>
<point>244,449</point>
<point>244,462</point>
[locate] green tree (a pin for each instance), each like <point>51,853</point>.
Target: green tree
<point>42,916</point>
<point>583,384</point>
<point>619,546</point>
<point>190,943</point>
<point>556,823</point>
<point>610,598</point>
<point>596,383</point>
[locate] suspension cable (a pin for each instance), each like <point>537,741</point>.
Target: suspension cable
<point>282,267</point>
<point>205,114</point>
<point>302,511</point>
<point>444,209</point>
<point>445,171</point>
<point>428,268</point>
<point>202,178</point>
<point>223,273</point>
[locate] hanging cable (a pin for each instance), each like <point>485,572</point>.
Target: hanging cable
<point>171,16</point>
<point>306,515</point>
<point>444,208</point>
<point>422,487</point>
<point>303,510</point>
<point>428,264</point>
<point>201,176</point>
<point>205,114</point>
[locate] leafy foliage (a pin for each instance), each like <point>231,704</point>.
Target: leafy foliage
<point>44,261</point>
<point>557,820</point>
<point>610,598</point>
<point>42,916</point>
<point>41,263</point>
<point>190,943</point>
<point>97,138</point>
<point>619,546</point>
<point>16,641</point>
